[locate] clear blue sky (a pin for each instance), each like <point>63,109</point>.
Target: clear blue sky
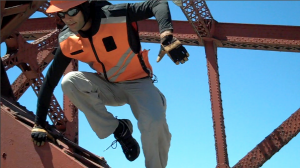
<point>260,89</point>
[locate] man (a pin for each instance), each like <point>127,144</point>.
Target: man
<point>106,37</point>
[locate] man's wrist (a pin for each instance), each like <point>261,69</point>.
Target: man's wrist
<point>37,126</point>
<point>166,33</point>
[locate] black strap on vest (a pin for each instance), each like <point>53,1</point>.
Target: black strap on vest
<point>142,62</point>
<point>140,57</point>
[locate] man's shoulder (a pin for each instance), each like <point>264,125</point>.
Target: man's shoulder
<point>65,33</point>
<point>115,10</point>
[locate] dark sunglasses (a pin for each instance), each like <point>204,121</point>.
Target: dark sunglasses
<point>71,12</point>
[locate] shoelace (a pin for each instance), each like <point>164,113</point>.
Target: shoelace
<point>111,146</point>
<point>115,142</point>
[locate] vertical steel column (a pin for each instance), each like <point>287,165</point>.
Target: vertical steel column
<point>2,9</point>
<point>216,104</point>
<point>71,112</point>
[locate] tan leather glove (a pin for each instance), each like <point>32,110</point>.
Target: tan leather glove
<point>173,47</point>
<point>39,135</point>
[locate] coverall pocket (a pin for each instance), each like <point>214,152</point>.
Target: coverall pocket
<point>163,98</point>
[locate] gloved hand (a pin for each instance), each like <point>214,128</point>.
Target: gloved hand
<point>39,135</point>
<point>173,47</point>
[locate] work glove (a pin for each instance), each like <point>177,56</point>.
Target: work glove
<point>173,47</point>
<point>39,135</point>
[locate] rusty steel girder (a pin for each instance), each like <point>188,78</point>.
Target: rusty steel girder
<point>272,143</point>
<point>14,13</point>
<point>37,29</point>
<point>18,150</point>
<point>22,83</point>
<point>18,51</point>
<point>6,90</point>
<point>259,37</point>
<point>199,16</point>
<point>44,43</point>
<point>228,35</point>
<point>216,104</point>
<point>202,21</point>
<point>206,30</point>
<point>32,60</point>
<point>231,35</point>
<point>41,52</point>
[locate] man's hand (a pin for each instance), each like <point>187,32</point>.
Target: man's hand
<point>173,47</point>
<point>39,135</point>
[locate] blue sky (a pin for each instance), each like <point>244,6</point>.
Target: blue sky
<point>260,89</point>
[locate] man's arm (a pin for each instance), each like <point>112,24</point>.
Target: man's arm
<point>157,8</point>
<point>51,80</point>
<point>161,11</point>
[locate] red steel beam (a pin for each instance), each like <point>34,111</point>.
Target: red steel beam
<point>229,35</point>
<point>17,149</point>
<point>272,143</point>
<point>36,28</point>
<point>262,37</point>
<point>238,32</point>
<point>202,22</point>
<point>199,16</point>
<point>18,19</point>
<point>15,10</point>
<point>216,104</point>
<point>232,35</point>
<point>16,123</point>
<point>26,118</point>
<point>6,90</point>
<point>27,57</point>
<point>2,9</point>
<point>22,83</point>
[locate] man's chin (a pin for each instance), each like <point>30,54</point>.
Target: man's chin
<point>74,30</point>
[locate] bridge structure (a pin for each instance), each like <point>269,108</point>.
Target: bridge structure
<point>200,29</point>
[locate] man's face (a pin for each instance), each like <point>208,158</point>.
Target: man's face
<point>75,23</point>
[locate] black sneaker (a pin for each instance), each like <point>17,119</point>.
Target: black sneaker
<point>129,145</point>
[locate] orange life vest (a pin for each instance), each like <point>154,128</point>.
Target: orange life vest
<point>110,45</point>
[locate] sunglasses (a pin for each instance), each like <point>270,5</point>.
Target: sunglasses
<point>71,12</point>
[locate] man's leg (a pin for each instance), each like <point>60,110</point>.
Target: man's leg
<point>89,93</point>
<point>148,105</point>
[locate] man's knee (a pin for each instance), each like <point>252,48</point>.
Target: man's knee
<point>152,120</point>
<point>68,81</point>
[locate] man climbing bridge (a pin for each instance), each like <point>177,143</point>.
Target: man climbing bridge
<point>105,36</point>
